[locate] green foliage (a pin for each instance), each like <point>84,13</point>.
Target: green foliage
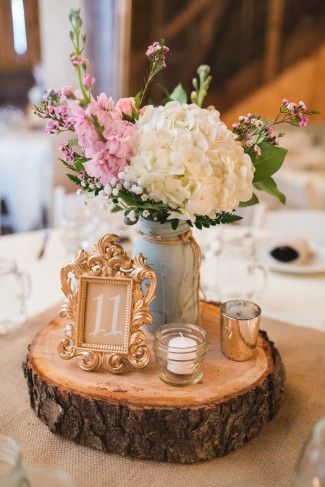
<point>74,179</point>
<point>253,201</point>
<point>269,186</point>
<point>223,217</point>
<point>178,94</point>
<point>269,162</point>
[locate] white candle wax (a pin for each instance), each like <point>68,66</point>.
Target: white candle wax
<point>182,361</point>
<point>245,310</point>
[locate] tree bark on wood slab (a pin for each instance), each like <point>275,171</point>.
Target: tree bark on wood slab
<point>140,416</point>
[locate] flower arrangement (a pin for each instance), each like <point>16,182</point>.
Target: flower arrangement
<point>168,162</point>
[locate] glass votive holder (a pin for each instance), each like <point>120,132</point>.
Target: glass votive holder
<point>240,323</point>
<point>180,349</point>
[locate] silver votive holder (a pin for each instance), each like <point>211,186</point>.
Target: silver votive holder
<point>240,322</point>
<point>180,349</point>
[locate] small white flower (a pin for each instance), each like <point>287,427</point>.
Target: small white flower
<point>115,191</point>
<point>144,197</point>
<point>127,184</point>
<point>83,184</point>
<point>108,189</point>
<point>132,216</point>
<point>92,186</point>
<point>136,189</point>
<point>99,185</point>
<point>79,191</point>
<point>113,181</point>
<point>146,213</point>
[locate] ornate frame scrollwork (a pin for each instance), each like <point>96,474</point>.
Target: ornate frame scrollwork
<point>110,261</point>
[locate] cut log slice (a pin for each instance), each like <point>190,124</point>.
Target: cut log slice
<point>138,415</point>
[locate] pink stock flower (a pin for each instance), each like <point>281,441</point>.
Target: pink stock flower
<point>104,109</point>
<point>67,91</point>
<point>143,109</point>
<point>88,80</point>
<point>126,105</point>
<point>105,167</point>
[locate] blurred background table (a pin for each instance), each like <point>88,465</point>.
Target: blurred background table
<point>294,299</point>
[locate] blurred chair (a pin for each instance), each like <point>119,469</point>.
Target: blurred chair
<point>300,193</point>
<point>309,224</point>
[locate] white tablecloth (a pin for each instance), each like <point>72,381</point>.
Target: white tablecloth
<point>25,168</point>
<point>294,299</point>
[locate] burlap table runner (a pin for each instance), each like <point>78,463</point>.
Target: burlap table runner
<point>269,458</point>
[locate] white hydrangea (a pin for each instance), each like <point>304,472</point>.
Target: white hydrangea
<point>186,157</point>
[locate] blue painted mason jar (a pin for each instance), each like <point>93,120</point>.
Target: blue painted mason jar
<point>175,257</point>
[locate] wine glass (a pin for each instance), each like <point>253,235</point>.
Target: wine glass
<point>310,469</point>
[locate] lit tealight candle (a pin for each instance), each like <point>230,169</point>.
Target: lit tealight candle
<point>242,310</point>
<point>240,322</point>
<point>182,352</point>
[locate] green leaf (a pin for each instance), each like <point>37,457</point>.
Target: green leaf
<point>269,162</point>
<point>137,100</point>
<point>74,179</point>
<point>174,223</point>
<point>129,118</point>
<point>116,208</point>
<point>178,94</point>
<point>252,201</point>
<point>69,166</point>
<point>79,164</point>
<point>269,186</point>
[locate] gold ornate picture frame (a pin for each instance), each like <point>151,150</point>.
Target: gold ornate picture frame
<point>107,302</point>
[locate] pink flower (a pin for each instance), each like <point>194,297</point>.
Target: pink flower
<point>67,91</point>
<point>52,127</point>
<point>77,60</point>
<point>126,105</point>
<point>105,167</point>
<point>88,80</point>
<point>67,152</point>
<point>156,47</point>
<point>104,109</point>
<point>119,138</point>
<point>143,109</point>
<point>303,120</point>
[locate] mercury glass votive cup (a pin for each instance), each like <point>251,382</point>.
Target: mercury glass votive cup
<point>180,349</point>
<point>240,322</point>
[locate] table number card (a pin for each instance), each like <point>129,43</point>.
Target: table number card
<point>106,306</point>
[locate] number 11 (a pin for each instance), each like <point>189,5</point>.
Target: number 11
<point>99,312</point>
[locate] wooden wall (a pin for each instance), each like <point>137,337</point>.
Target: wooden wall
<point>304,81</point>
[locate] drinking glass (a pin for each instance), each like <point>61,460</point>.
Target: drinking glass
<point>231,271</point>
<point>14,289</point>
<point>310,470</point>
<point>13,473</point>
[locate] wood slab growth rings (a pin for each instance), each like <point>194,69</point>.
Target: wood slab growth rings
<point>140,416</point>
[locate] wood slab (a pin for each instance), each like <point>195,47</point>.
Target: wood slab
<point>137,414</point>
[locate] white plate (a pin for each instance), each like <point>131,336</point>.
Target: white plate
<point>315,265</point>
